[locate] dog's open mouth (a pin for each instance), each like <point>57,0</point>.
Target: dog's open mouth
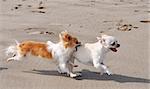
<point>113,49</point>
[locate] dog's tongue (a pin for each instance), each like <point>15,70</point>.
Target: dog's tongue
<point>113,49</point>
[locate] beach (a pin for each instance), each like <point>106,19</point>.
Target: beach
<point>43,20</point>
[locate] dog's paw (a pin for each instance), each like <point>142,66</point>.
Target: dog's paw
<point>78,74</point>
<point>108,73</point>
<point>9,59</point>
<point>73,75</point>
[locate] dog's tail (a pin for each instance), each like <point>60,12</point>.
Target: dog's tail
<point>12,50</point>
<point>17,43</point>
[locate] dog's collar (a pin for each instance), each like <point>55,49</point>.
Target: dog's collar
<point>77,47</point>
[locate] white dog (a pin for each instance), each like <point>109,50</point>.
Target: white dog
<point>61,51</point>
<point>94,53</point>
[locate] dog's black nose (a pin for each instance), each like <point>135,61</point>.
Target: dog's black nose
<point>118,45</point>
<point>78,43</point>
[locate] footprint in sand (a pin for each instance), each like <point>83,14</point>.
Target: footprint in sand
<point>40,8</point>
<point>39,11</point>
<point>121,26</point>
<point>126,27</point>
<point>40,32</point>
<point>17,7</point>
<point>33,31</point>
<point>145,21</point>
<point>3,68</point>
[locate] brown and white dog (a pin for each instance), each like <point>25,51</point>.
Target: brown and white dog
<point>61,51</point>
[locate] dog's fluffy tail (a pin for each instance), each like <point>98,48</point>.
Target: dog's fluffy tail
<point>12,50</point>
<point>17,43</point>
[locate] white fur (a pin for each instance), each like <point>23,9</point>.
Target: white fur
<point>94,53</point>
<point>12,50</point>
<point>62,55</point>
<point>59,53</point>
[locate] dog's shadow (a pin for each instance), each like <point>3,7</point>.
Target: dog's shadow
<point>88,75</point>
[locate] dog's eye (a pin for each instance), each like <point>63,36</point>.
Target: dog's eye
<point>69,38</point>
<point>77,42</point>
<point>113,44</point>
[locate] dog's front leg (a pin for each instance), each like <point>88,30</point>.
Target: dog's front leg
<point>64,68</point>
<point>71,65</point>
<point>101,67</point>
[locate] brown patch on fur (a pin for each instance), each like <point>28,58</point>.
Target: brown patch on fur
<point>74,42</point>
<point>68,40</point>
<point>35,48</point>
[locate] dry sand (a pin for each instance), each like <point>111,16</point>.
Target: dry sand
<point>42,20</point>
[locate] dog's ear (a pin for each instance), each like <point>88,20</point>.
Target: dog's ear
<point>66,31</point>
<point>61,36</point>
<point>62,33</point>
<point>98,38</point>
<point>102,40</point>
<point>103,35</point>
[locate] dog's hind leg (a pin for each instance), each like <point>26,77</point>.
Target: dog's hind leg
<point>105,69</point>
<point>10,59</point>
<point>17,56</point>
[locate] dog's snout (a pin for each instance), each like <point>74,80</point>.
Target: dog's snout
<point>78,42</point>
<point>118,45</point>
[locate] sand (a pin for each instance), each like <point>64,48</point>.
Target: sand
<point>43,20</point>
